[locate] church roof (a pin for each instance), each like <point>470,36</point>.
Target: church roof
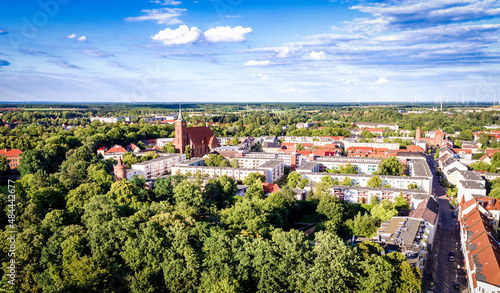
<point>200,135</point>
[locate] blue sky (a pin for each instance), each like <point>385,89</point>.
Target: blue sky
<point>249,50</point>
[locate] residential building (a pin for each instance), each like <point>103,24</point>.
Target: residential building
<point>271,147</point>
<point>409,236</point>
<point>156,167</point>
<point>350,142</point>
<point>13,157</point>
<point>115,152</point>
<point>110,119</point>
<point>398,182</point>
<point>481,250</point>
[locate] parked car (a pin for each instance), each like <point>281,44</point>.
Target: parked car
<point>456,285</point>
<point>454,214</point>
<point>452,253</point>
<point>452,258</point>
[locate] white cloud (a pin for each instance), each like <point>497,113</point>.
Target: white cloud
<point>257,63</point>
<point>166,16</point>
<point>317,55</point>
<point>82,38</point>
<point>72,36</point>
<point>260,76</point>
<point>180,36</point>
<point>166,2</point>
<point>294,90</point>
<point>227,34</point>
<point>382,80</point>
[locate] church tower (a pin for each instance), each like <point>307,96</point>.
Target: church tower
<point>181,136</point>
<point>418,133</point>
<point>120,170</point>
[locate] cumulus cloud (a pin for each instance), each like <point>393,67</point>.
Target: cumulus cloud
<point>317,55</point>
<point>63,63</point>
<point>4,63</point>
<point>82,39</point>
<point>382,80</point>
<point>185,35</point>
<point>257,63</point>
<point>166,16</point>
<point>72,36</point>
<point>283,52</point>
<point>227,34</point>
<point>180,36</point>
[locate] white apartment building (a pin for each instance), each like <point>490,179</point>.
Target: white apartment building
<point>398,182</point>
<point>351,142</point>
<point>155,167</point>
<point>110,119</point>
<point>236,173</point>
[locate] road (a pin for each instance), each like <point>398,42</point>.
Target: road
<point>447,239</point>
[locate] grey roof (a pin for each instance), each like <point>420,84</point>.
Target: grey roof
<point>470,175</point>
<point>271,164</point>
<point>162,158</point>
<point>471,184</point>
<point>271,145</point>
<point>308,166</point>
<point>420,168</point>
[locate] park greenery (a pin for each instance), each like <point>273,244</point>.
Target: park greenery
<point>79,230</point>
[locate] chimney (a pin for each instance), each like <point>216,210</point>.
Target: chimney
<point>311,157</point>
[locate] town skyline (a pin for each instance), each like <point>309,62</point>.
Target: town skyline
<point>250,51</point>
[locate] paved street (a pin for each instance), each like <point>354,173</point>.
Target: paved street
<point>447,239</point>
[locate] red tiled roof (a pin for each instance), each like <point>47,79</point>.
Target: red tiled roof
<point>415,148</point>
<point>468,151</point>
<point>270,188</point>
<point>489,152</point>
<point>10,152</point>
<point>116,149</point>
<point>199,135</point>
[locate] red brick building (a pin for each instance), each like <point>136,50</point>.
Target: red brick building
<point>13,156</point>
<point>201,139</point>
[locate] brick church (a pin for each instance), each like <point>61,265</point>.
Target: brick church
<point>201,139</point>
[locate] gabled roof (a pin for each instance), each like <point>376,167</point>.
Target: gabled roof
<point>200,135</point>
<point>116,149</point>
<point>270,188</point>
<point>489,152</point>
<point>10,152</point>
<point>427,210</point>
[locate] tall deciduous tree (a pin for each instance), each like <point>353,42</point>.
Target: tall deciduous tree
<point>391,166</point>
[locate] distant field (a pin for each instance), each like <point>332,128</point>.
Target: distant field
<point>54,109</point>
